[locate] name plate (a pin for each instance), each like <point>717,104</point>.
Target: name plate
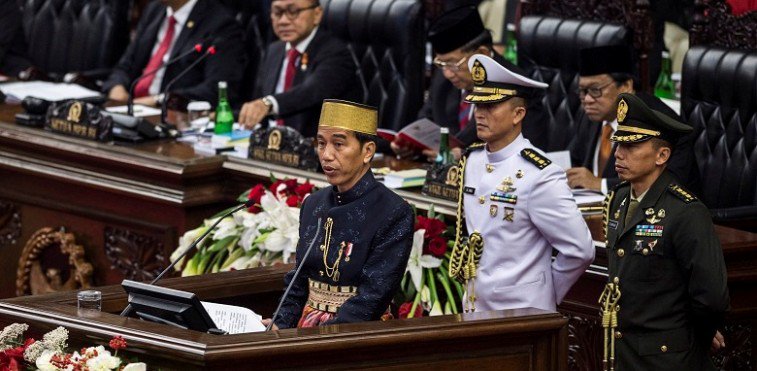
<point>79,119</point>
<point>283,146</point>
<point>442,182</point>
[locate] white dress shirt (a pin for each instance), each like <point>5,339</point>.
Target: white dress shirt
<point>181,17</point>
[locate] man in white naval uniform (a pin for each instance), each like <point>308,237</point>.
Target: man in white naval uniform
<point>518,202</point>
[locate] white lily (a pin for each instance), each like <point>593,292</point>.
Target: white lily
<point>244,262</point>
<point>139,366</point>
<point>185,241</point>
<point>436,309</point>
<point>286,222</point>
<point>418,260</point>
<point>250,229</point>
<point>227,227</point>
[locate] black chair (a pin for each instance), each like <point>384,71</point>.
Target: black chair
<point>386,39</point>
<point>548,49</point>
<point>719,100</point>
<point>86,36</point>
<point>254,16</point>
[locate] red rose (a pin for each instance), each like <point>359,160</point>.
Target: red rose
<point>293,201</point>
<point>304,189</point>
<point>291,185</point>
<point>437,247</point>
<point>256,193</point>
<point>433,227</point>
<point>404,310</point>
<point>275,186</point>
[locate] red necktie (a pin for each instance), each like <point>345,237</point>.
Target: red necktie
<point>292,56</point>
<point>605,147</point>
<point>463,113</point>
<point>143,86</point>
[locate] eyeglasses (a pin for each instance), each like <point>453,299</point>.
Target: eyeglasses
<point>594,91</point>
<point>291,13</point>
<point>453,67</point>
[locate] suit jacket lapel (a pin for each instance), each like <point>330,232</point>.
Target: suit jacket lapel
<point>311,51</point>
<point>650,199</point>
<point>609,170</point>
<point>150,37</point>
<point>589,159</point>
<point>195,18</point>
<point>274,69</point>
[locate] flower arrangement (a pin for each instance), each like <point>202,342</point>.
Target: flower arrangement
<point>49,354</point>
<point>266,234</point>
<point>426,287</point>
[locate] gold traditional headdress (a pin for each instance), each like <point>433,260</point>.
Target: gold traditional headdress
<point>349,116</point>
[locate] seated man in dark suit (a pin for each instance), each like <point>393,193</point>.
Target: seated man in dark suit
<point>455,36</point>
<point>606,72</point>
<point>13,57</point>
<point>304,67</point>
<point>169,28</point>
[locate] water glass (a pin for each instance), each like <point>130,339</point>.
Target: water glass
<point>89,299</point>
<point>199,115</point>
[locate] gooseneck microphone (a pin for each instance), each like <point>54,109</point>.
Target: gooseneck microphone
<point>191,247</point>
<point>210,51</point>
<point>294,277</point>
<point>197,48</point>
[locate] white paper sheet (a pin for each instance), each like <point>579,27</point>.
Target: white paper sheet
<point>17,91</point>
<point>585,196</point>
<point>139,110</point>
<point>234,319</point>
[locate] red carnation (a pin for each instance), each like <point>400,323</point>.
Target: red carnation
<point>291,185</point>
<point>117,343</point>
<point>293,201</point>
<point>404,310</point>
<point>437,247</point>
<point>256,193</point>
<point>304,189</point>
<point>275,186</point>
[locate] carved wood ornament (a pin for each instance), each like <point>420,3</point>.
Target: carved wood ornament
<point>51,261</point>
<point>10,223</point>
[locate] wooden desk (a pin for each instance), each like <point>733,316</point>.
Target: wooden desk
<point>127,205</point>
<point>526,339</point>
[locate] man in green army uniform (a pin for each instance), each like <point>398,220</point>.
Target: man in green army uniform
<point>667,295</point>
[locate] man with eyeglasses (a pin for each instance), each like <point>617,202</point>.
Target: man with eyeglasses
<point>168,29</point>
<point>604,73</point>
<point>304,67</point>
<point>454,37</point>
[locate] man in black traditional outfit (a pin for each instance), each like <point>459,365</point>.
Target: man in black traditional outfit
<point>365,234</point>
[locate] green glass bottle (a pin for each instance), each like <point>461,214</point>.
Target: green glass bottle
<point>665,87</point>
<point>445,155</point>
<point>224,114</point>
<point>511,45</point>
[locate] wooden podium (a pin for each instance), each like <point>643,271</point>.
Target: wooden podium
<point>524,339</point>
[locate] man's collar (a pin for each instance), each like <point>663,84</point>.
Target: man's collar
<point>303,45</point>
<point>183,13</point>
<point>365,184</point>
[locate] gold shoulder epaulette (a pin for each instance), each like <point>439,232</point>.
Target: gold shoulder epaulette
<point>535,158</point>
<point>474,147</point>
<point>681,193</point>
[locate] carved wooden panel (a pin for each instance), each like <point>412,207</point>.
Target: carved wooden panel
<point>738,352</point>
<point>632,13</point>
<point>584,341</point>
<point>10,223</point>
<point>137,256</point>
<point>715,25</point>
<point>51,261</point>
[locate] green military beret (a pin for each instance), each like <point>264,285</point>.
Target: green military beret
<point>637,122</point>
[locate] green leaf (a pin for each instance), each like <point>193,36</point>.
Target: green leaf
<point>450,298</point>
<point>431,213</point>
<point>221,244</point>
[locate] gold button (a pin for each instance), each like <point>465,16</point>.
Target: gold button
<point>481,200</point>
<point>664,348</point>
<point>645,251</point>
<point>621,252</point>
<point>618,335</point>
<point>616,280</point>
<point>489,168</point>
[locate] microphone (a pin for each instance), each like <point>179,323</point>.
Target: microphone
<point>294,277</point>
<point>210,51</point>
<point>130,102</point>
<point>191,247</point>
